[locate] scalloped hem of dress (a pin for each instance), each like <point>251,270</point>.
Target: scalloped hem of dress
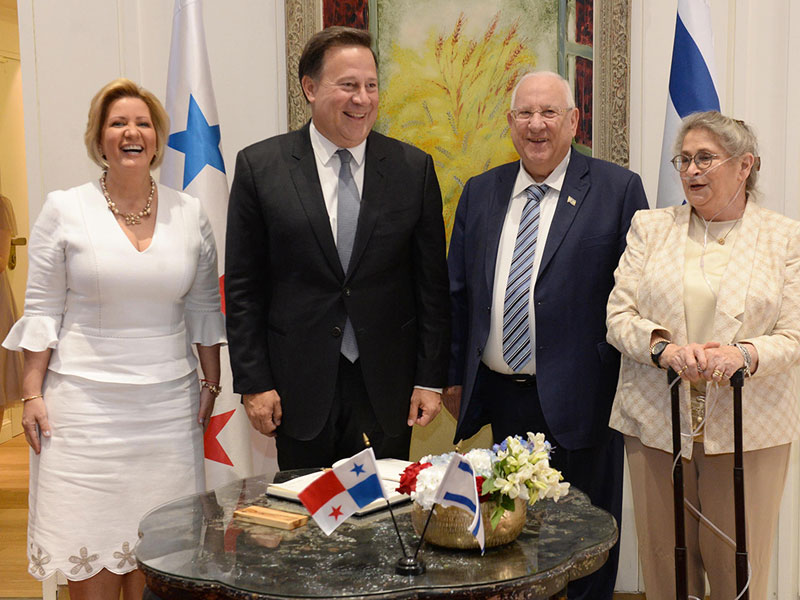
<point>70,577</point>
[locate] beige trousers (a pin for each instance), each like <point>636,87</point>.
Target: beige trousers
<point>708,485</point>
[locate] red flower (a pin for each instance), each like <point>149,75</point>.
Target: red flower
<point>479,483</point>
<point>408,478</point>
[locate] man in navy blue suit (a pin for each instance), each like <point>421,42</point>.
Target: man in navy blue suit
<point>533,252</point>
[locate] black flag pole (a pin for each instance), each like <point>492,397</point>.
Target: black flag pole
<point>681,577</point>
<point>407,565</point>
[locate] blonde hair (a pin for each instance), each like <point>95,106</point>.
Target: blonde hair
<point>735,136</point>
<point>98,112</point>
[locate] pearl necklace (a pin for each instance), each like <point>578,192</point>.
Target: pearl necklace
<point>130,218</point>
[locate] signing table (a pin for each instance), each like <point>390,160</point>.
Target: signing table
<point>192,548</point>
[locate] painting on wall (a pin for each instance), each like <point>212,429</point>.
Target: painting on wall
<point>447,69</point>
<point>447,75</point>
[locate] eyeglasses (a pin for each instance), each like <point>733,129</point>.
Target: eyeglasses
<point>702,159</point>
<point>548,114</point>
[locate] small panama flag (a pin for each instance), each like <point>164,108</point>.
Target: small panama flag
<point>459,488</point>
<point>337,494</point>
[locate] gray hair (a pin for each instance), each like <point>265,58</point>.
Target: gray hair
<point>569,99</point>
<point>736,137</point>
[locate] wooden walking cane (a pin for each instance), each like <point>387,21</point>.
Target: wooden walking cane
<point>737,381</point>
<point>681,577</point>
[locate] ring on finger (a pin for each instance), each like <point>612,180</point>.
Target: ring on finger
<point>681,370</point>
<point>717,374</point>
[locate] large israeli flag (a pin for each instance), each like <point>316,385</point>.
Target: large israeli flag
<point>692,87</point>
<point>193,163</point>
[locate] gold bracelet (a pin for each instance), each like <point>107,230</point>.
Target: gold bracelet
<point>211,387</point>
<point>31,398</point>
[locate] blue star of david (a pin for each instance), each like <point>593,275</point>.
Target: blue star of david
<point>199,142</point>
<point>357,469</point>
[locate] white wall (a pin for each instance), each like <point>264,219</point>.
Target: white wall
<point>79,45</point>
<point>71,47</point>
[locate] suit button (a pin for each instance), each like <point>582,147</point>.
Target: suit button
<point>347,291</point>
<point>480,350</point>
<point>336,332</point>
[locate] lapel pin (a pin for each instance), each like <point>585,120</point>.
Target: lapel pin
<point>571,200</point>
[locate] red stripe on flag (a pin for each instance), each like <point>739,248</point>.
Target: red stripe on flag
<point>318,492</point>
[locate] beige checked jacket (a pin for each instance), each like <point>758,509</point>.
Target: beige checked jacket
<point>758,302</point>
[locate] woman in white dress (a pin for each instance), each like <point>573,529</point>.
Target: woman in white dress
<point>122,280</point>
<point>10,362</point>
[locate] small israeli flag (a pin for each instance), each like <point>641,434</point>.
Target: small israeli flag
<point>459,488</point>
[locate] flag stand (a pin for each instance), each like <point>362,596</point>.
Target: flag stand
<point>411,565</point>
<point>407,565</point>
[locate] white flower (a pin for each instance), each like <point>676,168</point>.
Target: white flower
<point>516,468</point>
<point>481,460</point>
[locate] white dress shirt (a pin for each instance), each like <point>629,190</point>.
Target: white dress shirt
<point>493,353</point>
<point>328,164</point>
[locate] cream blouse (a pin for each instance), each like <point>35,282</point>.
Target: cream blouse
<point>706,261</point>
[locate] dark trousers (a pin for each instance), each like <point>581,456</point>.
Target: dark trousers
<point>514,409</point>
<point>350,417</point>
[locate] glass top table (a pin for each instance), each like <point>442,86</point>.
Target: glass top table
<point>192,548</point>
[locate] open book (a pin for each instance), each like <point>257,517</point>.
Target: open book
<point>389,470</point>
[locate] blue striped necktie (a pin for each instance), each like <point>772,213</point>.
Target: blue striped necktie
<point>516,333</point>
<point>346,223</point>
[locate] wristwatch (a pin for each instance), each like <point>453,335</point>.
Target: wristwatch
<point>656,350</point>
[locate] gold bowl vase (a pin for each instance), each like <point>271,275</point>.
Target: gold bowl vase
<point>449,525</point>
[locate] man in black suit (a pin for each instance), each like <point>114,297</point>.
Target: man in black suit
<point>532,258</point>
<point>336,281</point>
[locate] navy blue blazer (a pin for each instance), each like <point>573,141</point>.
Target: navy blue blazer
<point>576,369</point>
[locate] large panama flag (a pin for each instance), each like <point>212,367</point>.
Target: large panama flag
<point>193,163</point>
<point>692,87</point>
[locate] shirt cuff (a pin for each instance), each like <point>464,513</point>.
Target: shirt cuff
<point>430,389</point>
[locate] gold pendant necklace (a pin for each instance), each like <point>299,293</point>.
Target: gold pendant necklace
<point>721,240</point>
<point>130,218</point>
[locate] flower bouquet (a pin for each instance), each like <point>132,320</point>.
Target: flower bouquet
<point>516,469</point>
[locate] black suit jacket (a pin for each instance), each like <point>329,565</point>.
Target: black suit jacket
<point>287,297</point>
<point>576,369</point>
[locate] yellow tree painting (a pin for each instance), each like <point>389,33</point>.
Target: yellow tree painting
<point>447,73</point>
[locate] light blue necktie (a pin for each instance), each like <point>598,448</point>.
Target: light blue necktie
<point>346,223</point>
<point>516,324</point>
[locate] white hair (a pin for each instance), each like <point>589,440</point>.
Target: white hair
<point>569,100</point>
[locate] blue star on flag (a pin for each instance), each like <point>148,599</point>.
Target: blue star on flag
<point>357,469</point>
<point>199,142</point>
